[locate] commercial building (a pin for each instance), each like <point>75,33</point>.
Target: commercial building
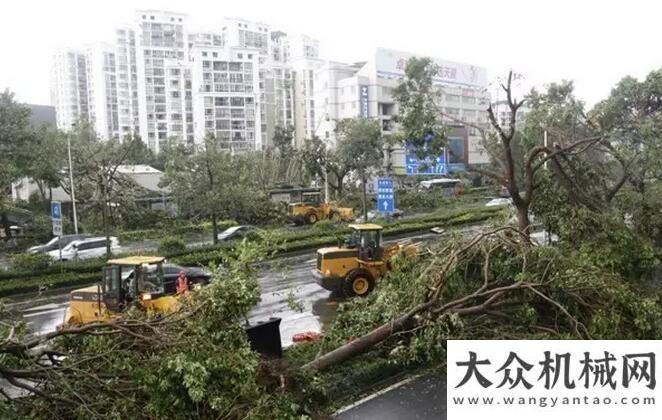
<point>42,115</point>
<point>365,90</point>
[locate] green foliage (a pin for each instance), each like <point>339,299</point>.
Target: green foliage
<point>419,116</point>
<point>80,273</point>
<point>199,362</point>
<point>321,161</point>
<point>171,244</point>
<point>604,304</point>
<point>605,241</point>
<point>173,228</point>
<point>31,262</point>
<point>283,138</point>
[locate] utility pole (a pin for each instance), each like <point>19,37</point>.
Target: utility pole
<point>545,144</point>
<point>71,181</point>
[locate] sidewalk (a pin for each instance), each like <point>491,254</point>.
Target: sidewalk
<point>421,398</point>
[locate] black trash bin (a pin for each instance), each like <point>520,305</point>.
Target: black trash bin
<point>264,338</point>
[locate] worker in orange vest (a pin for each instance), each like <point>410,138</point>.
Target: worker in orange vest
<point>182,283</point>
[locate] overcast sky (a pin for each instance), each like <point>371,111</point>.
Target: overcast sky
<point>594,43</point>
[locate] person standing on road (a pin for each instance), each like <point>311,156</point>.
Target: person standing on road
<point>182,283</point>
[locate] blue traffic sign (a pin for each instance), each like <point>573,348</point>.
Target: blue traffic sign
<point>56,210</point>
<point>429,166</point>
<point>385,195</point>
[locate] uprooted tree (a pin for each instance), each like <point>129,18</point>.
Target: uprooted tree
<point>494,285</point>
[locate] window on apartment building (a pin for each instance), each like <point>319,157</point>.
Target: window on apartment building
<point>175,94</point>
<point>237,101</point>
<point>238,125</point>
<point>176,116</point>
<point>222,124</point>
<point>234,66</point>
<point>452,98</point>
<point>222,101</point>
<point>469,100</point>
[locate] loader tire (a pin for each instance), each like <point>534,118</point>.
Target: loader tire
<point>358,283</point>
<point>311,218</point>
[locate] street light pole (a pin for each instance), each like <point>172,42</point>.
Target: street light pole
<point>71,183</point>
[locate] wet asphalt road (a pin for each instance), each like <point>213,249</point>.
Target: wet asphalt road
<point>422,398</point>
<point>287,291</point>
<point>287,280</point>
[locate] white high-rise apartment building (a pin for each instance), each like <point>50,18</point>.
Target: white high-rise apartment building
<point>102,90</point>
<point>226,98</point>
<point>127,82</point>
<point>69,87</point>
<point>163,77</point>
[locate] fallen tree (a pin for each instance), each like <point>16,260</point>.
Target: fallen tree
<point>494,286</point>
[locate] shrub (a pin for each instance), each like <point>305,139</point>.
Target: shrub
<point>171,245</point>
<point>31,262</point>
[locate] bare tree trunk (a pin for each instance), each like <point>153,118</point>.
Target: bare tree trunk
<point>523,219</point>
<point>214,227</point>
<point>361,344</point>
<point>4,219</point>
<point>365,199</point>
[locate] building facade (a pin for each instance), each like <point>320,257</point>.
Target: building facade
<point>238,82</point>
<point>69,87</point>
<point>365,90</point>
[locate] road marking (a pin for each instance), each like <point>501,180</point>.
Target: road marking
<point>51,311</point>
<point>44,307</point>
<point>375,395</point>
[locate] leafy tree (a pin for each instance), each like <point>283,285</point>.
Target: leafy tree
<point>48,160</point>
<point>418,98</point>
<point>283,138</point>
<point>323,162</point>
<point>361,144</point>
<point>199,181</point>
<point>15,134</point>
<point>517,158</point>
<point>99,185</point>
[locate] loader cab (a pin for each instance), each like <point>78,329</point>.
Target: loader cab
<point>131,280</point>
<point>367,238</point>
<point>312,198</point>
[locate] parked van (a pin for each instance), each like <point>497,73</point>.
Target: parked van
<point>85,249</point>
<point>54,243</point>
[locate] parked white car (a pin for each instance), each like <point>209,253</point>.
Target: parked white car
<point>499,202</point>
<point>85,249</point>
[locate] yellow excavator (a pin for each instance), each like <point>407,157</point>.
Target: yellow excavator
<point>353,268</point>
<point>126,282</point>
<point>311,209</point>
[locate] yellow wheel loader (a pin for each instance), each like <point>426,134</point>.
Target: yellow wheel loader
<point>353,268</point>
<point>126,282</point>
<point>311,210</point>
